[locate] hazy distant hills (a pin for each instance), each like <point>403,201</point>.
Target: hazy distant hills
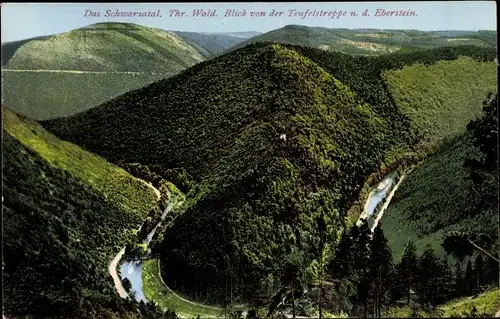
<point>242,34</point>
<point>372,41</point>
<point>280,134</point>
<point>82,68</point>
<point>85,67</point>
<point>211,44</point>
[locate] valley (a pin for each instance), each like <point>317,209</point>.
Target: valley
<point>304,172</point>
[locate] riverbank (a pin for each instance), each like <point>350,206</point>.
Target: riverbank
<point>376,195</point>
<point>144,276</point>
<point>387,202</point>
<point>113,265</point>
<point>155,290</point>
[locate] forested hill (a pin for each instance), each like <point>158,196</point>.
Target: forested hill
<point>104,46</point>
<point>372,41</point>
<point>66,213</point>
<point>94,64</point>
<point>63,74</point>
<point>281,134</point>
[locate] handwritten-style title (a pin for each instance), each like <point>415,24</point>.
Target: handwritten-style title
<point>238,13</point>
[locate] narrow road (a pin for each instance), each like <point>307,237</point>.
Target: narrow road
<point>157,192</point>
<point>84,72</point>
<point>114,263</point>
<point>497,315</point>
<point>387,202</point>
<point>116,279</point>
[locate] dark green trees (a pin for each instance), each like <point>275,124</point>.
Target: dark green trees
<point>58,238</point>
<point>468,278</point>
<point>381,271</point>
<point>479,271</point>
<point>322,234</point>
<point>152,310</point>
<point>364,262</point>
<point>432,279</point>
<point>407,271</point>
<point>485,132</point>
<point>291,280</point>
<point>479,245</point>
<point>126,284</point>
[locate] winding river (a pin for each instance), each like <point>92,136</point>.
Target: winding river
<point>132,269</point>
<point>377,194</point>
<point>383,190</point>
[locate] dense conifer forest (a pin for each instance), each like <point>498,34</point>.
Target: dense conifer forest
<point>282,136</point>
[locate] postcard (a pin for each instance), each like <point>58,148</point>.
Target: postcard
<point>250,160</point>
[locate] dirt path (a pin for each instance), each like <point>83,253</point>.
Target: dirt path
<point>82,72</point>
<point>387,202</point>
<point>116,279</point>
<point>497,315</point>
<point>114,263</point>
<point>157,192</point>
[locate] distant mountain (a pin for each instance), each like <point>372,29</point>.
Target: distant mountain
<point>50,94</point>
<point>210,44</point>
<point>242,34</point>
<point>106,46</point>
<point>82,68</point>
<point>66,213</point>
<point>272,136</point>
<point>10,48</point>
<point>372,41</point>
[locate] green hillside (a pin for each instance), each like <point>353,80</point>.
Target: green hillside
<point>10,48</point>
<point>439,99</point>
<point>112,182</point>
<point>85,67</point>
<point>258,193</point>
<point>454,191</point>
<point>372,41</point>
<point>107,47</point>
<point>45,95</point>
<point>433,200</point>
<point>66,213</point>
<point>484,306</point>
